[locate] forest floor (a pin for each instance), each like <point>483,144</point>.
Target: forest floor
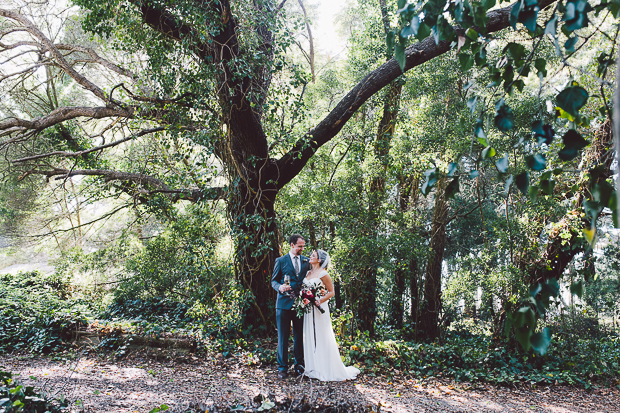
<point>137,383</point>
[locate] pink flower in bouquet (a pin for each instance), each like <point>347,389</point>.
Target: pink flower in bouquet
<point>306,301</point>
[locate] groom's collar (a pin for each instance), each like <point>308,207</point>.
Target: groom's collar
<point>290,254</point>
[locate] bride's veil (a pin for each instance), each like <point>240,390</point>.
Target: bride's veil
<point>323,258</point>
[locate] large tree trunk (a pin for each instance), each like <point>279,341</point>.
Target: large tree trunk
<point>253,222</point>
<point>432,284</point>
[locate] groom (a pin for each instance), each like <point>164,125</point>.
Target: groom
<point>295,266</point>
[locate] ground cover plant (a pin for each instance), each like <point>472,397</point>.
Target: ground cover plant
<point>17,398</point>
<point>38,312</point>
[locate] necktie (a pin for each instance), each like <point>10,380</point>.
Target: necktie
<point>297,265</point>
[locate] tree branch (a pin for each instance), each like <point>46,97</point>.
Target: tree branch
<point>159,187</point>
<point>66,67</point>
<point>293,162</point>
<point>60,115</point>
<point>98,148</point>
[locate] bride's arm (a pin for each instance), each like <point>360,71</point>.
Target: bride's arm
<point>330,288</point>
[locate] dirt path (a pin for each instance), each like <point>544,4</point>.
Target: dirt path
<point>139,385</point>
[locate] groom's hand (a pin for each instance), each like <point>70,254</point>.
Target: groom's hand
<point>284,288</point>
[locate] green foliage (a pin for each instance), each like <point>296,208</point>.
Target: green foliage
<point>170,313</point>
<point>38,313</point>
<point>467,357</point>
<point>179,263</point>
<point>16,398</point>
<point>224,315</point>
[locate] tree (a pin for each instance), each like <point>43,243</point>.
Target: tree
<point>201,86</point>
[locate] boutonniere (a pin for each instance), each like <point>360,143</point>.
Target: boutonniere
<point>304,260</point>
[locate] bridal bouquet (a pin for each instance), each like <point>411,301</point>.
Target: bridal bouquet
<point>305,298</point>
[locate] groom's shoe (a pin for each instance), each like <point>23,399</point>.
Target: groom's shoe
<point>299,369</point>
<point>282,375</point>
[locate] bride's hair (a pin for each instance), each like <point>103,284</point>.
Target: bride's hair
<point>324,259</point>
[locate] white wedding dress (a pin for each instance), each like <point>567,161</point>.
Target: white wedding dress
<point>321,355</point>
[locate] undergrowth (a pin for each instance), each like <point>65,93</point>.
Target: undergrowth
<point>15,398</point>
<point>38,313</point>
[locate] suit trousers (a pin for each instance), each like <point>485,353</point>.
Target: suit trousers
<point>283,321</point>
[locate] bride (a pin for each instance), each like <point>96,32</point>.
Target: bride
<point>321,353</point>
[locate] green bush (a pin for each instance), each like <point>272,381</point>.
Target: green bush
<point>223,316</point>
<point>16,398</point>
<point>179,263</point>
<point>476,358</point>
<point>37,312</point>
<point>151,310</point>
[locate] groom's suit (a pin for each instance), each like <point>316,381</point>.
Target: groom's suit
<point>284,314</point>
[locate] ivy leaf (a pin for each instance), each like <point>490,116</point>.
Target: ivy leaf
<point>551,287</point>
<point>540,341</point>
<point>576,288</point>
<point>573,142</point>
<point>570,44</point>
<point>488,152</point>
<point>532,192</point>
<point>601,193</point>
<point>547,186</point>
<point>472,34</point>
<point>443,30</point>
<point>536,162</point>
<point>488,4</point>
<point>399,55</point>
<point>466,61</point>
<point>423,31</point>
<point>479,132</point>
<point>604,60</point>
<point>537,127</point>
<point>389,40</point>
<point>576,14</point>
<point>523,182</point>
<point>266,405</point>
<point>471,103</point>
<point>412,28</point>
<point>590,235</point>
<point>523,335</point>
<point>431,180</point>
<point>508,184</point>
<point>502,164</point>
<point>452,166</point>
<point>519,84</point>
<point>514,14</point>
<point>592,210</point>
<point>528,17</point>
<point>452,188</point>
<point>540,65</point>
<point>572,99</point>
<point>544,133</point>
<point>504,119</point>
<point>515,50</point>
<point>552,26</point>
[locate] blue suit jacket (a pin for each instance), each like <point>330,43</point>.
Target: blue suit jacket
<point>284,266</point>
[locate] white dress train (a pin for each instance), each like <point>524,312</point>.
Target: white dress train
<point>321,355</point>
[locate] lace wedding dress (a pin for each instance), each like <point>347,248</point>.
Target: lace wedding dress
<point>321,354</point>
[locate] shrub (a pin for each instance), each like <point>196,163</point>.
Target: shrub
<point>17,398</point>
<point>37,312</point>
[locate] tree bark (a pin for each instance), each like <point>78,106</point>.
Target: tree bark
<point>432,283</point>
